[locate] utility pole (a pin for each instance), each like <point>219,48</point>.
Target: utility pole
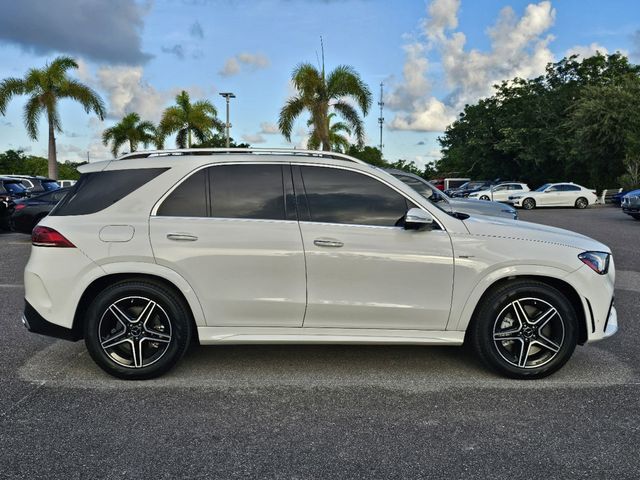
<point>227,96</point>
<point>381,118</point>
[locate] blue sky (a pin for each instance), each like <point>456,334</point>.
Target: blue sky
<point>433,57</point>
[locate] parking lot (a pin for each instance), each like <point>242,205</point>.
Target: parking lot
<point>325,411</point>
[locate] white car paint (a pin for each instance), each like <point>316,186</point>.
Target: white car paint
<point>564,194</point>
<point>256,281</point>
<point>500,193</point>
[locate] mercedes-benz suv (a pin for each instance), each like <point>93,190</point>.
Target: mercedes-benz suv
<point>153,250</point>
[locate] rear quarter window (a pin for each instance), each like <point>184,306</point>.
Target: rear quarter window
<point>96,191</point>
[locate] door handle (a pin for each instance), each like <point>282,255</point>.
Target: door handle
<point>327,242</point>
<point>181,237</point>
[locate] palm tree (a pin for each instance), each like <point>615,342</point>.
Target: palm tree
<point>129,129</point>
<point>45,87</point>
<point>188,118</point>
<point>318,94</point>
<point>338,142</point>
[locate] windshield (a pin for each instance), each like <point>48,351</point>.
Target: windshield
<point>425,189</point>
<point>50,185</point>
<point>543,187</point>
<point>14,187</point>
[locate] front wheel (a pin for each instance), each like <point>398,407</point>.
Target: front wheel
<point>484,197</point>
<point>525,329</point>
<point>582,203</point>
<point>137,329</point>
<point>528,204</point>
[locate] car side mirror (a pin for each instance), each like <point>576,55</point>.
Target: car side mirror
<point>418,219</point>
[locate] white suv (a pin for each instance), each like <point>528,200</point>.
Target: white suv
<point>245,246</point>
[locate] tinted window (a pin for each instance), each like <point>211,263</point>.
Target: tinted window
<point>189,199</point>
<point>340,196</point>
<point>247,191</point>
<point>555,188</point>
<point>516,187</point>
<point>96,191</point>
<point>569,188</point>
<point>14,187</point>
<point>50,185</point>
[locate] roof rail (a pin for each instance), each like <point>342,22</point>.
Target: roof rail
<point>255,151</point>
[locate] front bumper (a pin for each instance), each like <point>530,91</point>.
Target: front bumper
<point>34,322</point>
<point>611,325</point>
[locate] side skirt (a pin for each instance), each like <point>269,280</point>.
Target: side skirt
<point>244,335</point>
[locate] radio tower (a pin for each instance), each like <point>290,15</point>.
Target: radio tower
<point>381,118</point>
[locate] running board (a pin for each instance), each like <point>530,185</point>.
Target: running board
<point>244,335</point>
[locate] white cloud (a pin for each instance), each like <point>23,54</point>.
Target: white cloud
<point>243,61</point>
<point>586,51</point>
<point>253,138</point>
<point>268,128</point>
<point>519,48</point>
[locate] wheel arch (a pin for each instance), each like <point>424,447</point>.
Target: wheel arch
<point>562,286</point>
<point>96,286</point>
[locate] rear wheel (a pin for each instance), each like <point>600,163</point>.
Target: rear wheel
<point>137,330</point>
<point>525,329</point>
<point>582,203</point>
<point>528,204</point>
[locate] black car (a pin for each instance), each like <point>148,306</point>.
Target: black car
<point>35,184</point>
<point>11,189</point>
<point>29,211</point>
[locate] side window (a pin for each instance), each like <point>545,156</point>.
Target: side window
<point>341,196</point>
<point>555,188</point>
<point>516,187</point>
<point>500,188</point>
<point>417,185</point>
<point>571,188</point>
<point>189,199</point>
<point>247,191</point>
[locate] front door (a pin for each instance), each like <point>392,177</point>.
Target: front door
<point>230,233</point>
<point>364,270</point>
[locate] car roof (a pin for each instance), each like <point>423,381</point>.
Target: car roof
<point>31,177</point>
<point>196,157</point>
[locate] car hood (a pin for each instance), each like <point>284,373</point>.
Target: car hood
<point>532,232</point>
<point>632,193</point>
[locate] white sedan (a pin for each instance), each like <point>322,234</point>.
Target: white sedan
<point>500,193</point>
<point>555,195</point>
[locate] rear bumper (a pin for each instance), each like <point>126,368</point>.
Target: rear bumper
<point>36,323</point>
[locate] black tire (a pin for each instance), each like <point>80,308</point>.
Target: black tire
<point>484,197</point>
<point>582,203</point>
<point>528,204</point>
<point>497,320</point>
<point>138,313</point>
<point>636,217</point>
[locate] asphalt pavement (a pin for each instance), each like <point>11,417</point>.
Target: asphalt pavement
<point>325,411</point>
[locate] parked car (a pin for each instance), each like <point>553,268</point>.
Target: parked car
<point>288,246</point>
<point>631,204</point>
<point>500,192</point>
<point>66,183</point>
<point>29,211</point>
<point>12,188</point>
<point>617,198</point>
<point>35,184</point>
<point>445,184</point>
<point>452,205</point>
<point>6,209</point>
<point>555,195</point>
<point>468,188</point>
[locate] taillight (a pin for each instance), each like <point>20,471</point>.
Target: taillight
<point>19,206</point>
<point>48,237</point>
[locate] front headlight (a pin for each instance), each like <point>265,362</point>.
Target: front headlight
<point>597,261</point>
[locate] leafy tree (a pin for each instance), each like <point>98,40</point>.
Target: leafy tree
<point>187,119</point>
<point>16,162</point>
<point>129,130</point>
<point>218,140</point>
<point>537,130</point>
<point>339,143</point>
<point>45,87</point>
<point>319,95</point>
<point>371,155</point>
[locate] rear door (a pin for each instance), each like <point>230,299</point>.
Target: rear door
<point>231,231</point>
<point>364,270</point>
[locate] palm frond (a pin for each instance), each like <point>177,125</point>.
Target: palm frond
<point>344,81</point>
<point>31,115</point>
<point>288,115</point>
<point>8,88</point>
<point>84,95</point>
<point>351,117</point>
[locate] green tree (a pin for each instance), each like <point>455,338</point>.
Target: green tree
<point>371,155</point>
<point>219,140</point>
<point>45,87</point>
<point>339,143</point>
<point>129,130</point>
<point>16,162</point>
<point>319,95</point>
<point>186,119</point>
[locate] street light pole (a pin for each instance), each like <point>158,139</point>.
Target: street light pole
<point>227,96</point>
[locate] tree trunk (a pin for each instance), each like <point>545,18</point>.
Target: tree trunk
<point>324,131</point>
<point>53,160</point>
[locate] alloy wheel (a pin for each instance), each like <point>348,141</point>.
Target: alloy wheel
<point>135,332</point>
<point>528,204</point>
<point>528,333</point>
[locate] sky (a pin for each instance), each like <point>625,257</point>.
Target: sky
<point>433,58</point>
